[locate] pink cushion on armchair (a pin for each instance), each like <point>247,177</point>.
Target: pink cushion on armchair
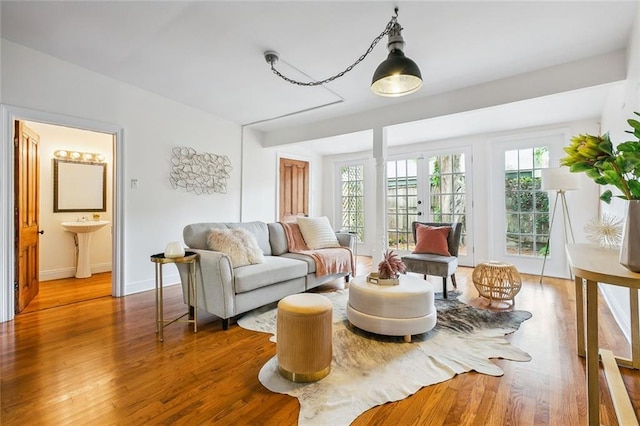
<point>432,240</point>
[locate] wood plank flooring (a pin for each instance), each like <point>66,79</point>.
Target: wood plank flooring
<point>98,362</point>
<point>70,290</point>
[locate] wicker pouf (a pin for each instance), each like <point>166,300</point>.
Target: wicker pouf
<point>497,281</point>
<point>304,337</point>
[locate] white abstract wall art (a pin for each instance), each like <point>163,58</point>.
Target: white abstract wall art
<point>199,173</point>
<point>606,231</point>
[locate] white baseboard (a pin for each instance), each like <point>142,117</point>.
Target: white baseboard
<point>146,285</point>
<point>58,274</point>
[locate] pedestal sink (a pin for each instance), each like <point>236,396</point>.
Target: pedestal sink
<point>84,230</point>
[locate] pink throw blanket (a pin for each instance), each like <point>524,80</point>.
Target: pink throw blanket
<point>334,260</point>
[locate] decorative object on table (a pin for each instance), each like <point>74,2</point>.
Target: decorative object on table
<point>497,281</point>
<point>396,76</point>
<point>464,339</point>
<point>630,246</point>
<point>390,268</point>
<point>560,180</point>
<point>199,173</point>
<point>620,167</point>
<point>174,250</point>
<point>374,278</point>
<point>606,231</point>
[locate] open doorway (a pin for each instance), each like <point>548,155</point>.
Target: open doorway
<point>72,185</point>
<point>8,267</point>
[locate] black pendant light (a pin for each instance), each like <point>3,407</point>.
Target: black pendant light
<point>396,76</point>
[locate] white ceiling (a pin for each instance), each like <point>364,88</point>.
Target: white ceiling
<point>209,54</point>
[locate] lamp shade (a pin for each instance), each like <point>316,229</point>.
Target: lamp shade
<point>559,179</point>
<point>396,76</point>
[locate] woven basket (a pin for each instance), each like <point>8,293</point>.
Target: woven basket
<point>497,280</point>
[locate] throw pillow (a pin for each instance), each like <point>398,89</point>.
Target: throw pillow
<point>432,240</point>
<point>239,244</point>
<point>317,232</point>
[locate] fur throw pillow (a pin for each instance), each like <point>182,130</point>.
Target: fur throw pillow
<point>239,244</point>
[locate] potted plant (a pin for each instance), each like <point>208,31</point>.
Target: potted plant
<point>620,167</point>
<point>389,269</point>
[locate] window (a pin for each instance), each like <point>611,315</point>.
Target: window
<point>402,202</point>
<point>352,190</point>
<point>447,192</point>
<point>526,205</point>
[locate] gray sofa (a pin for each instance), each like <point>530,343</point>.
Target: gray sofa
<point>226,292</point>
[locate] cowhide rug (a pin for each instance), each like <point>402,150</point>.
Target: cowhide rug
<point>369,369</point>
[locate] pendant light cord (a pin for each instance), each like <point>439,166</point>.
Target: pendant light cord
<point>375,41</point>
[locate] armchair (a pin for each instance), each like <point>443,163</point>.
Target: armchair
<point>439,265</point>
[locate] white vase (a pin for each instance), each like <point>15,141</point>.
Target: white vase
<point>630,248</point>
<point>174,249</point>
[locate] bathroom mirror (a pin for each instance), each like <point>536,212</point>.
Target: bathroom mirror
<point>79,187</point>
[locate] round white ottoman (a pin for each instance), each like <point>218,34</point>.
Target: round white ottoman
<point>304,345</point>
<point>399,310</point>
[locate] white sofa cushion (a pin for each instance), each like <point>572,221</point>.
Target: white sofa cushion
<point>274,270</point>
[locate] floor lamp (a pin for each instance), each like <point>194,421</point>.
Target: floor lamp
<point>560,180</point>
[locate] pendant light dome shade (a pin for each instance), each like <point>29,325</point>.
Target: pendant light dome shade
<point>396,76</point>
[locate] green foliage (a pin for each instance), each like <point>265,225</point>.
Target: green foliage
<point>597,158</point>
<point>435,176</point>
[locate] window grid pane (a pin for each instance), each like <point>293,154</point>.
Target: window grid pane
<point>353,200</point>
<point>402,203</point>
<point>526,206</point>
<point>448,192</point>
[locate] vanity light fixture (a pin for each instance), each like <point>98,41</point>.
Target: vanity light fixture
<point>88,157</point>
<point>396,76</point>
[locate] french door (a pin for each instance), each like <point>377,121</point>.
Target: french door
<point>434,186</point>
<point>520,211</point>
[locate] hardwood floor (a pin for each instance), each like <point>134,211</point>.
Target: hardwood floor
<point>98,362</point>
<point>70,290</point>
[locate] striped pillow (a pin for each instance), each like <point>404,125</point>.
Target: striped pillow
<point>317,232</point>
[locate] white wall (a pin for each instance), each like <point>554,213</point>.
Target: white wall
<point>155,213</point>
<point>259,177</point>
<point>57,246</point>
<point>621,104</point>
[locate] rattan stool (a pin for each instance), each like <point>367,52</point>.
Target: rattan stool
<point>497,281</point>
<point>304,337</point>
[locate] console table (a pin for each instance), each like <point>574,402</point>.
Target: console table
<point>191,259</point>
<point>591,264</point>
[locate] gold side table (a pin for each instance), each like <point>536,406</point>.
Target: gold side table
<point>191,259</point>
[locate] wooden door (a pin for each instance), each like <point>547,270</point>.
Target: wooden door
<point>27,181</point>
<point>294,189</point>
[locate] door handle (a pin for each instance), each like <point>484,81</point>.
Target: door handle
<point>41,232</point>
<point>419,213</point>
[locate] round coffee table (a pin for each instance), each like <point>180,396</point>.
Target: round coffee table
<point>399,310</point>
